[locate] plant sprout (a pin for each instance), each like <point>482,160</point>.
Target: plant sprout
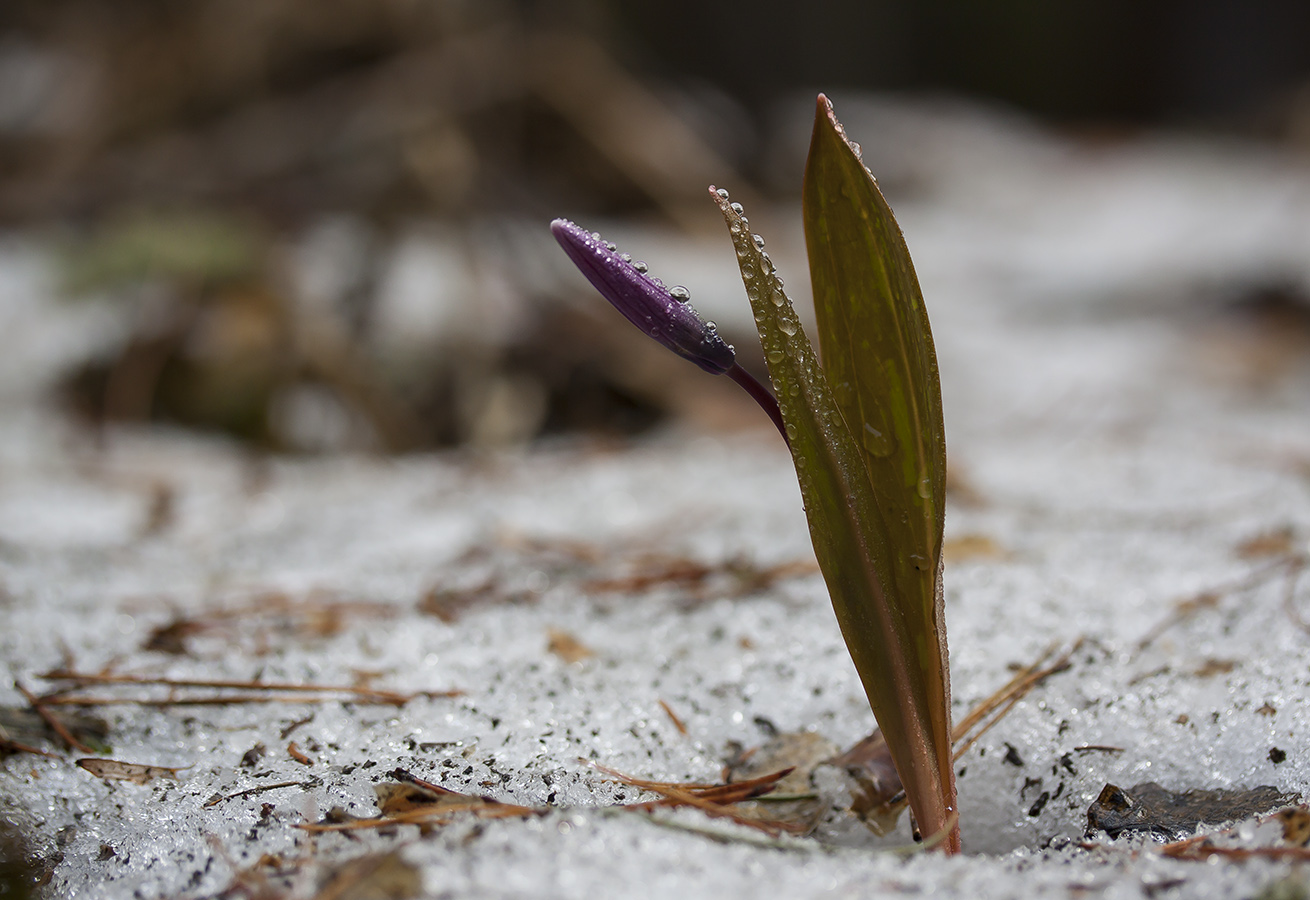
<point>864,426</point>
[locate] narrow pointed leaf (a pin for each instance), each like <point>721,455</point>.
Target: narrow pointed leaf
<point>878,354</point>
<point>851,543</point>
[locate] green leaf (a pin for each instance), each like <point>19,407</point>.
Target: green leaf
<point>876,532</point>
<point>878,356</point>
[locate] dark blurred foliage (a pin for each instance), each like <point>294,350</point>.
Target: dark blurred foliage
<point>1138,61</point>
<point>186,149</point>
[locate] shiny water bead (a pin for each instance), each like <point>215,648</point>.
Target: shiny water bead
<point>626,257</point>
<point>723,193</point>
<point>680,293</point>
<point>759,241</point>
<point>641,267</point>
<point>611,246</point>
<point>737,208</point>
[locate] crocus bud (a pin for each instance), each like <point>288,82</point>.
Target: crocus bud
<point>661,312</point>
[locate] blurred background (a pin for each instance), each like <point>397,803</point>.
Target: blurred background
<point>320,225</point>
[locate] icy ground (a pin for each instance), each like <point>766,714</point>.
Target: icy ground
<point>1129,430</point>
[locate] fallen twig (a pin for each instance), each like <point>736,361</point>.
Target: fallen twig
<point>50,719</point>
<point>300,693</point>
<point>221,798</point>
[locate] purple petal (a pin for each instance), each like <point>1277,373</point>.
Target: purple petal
<point>644,300</point>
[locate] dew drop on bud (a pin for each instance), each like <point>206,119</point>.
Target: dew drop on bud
<point>640,267</point>
<point>778,299</point>
<point>680,293</point>
<point>711,327</point>
<point>626,257</point>
<point>776,356</point>
<point>787,326</point>
<point>723,193</point>
<point>856,149</point>
<point>611,246</point>
<point>737,208</point>
<point>925,487</point>
<point>759,241</point>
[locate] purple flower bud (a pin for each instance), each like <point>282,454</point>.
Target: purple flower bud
<point>661,312</point>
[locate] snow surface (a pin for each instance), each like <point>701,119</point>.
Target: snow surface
<point>1120,437</point>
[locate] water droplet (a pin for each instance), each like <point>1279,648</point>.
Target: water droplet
<point>735,229</point>
<point>723,193</point>
<point>919,562</point>
<point>787,326</point>
<point>611,246</point>
<point>753,293</point>
<point>737,208</point>
<point>711,327</point>
<point>626,257</point>
<point>640,266</point>
<point>595,235</point>
<point>745,222</point>
<point>791,432</point>
<point>766,262</point>
<point>778,298</point>
<point>856,149</point>
<point>794,388</point>
<point>879,443</point>
<point>680,293</point>
<point>778,278</point>
<point>759,241</point>
<point>776,356</point>
<point>747,271</point>
<point>925,487</point>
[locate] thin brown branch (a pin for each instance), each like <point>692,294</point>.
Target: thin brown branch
<point>248,792</point>
<point>80,700</point>
<point>11,746</point>
<point>1185,609</point>
<point>83,679</point>
<point>1015,692</point>
<point>53,721</point>
<point>673,717</point>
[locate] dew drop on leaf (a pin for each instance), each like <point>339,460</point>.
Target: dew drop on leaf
<point>879,443</point>
<point>786,326</point>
